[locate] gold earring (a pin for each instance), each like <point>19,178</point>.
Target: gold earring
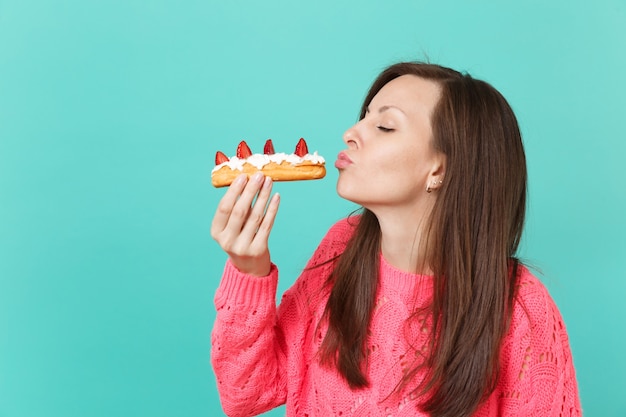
<point>435,182</point>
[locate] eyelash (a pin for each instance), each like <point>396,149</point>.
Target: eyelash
<point>384,129</point>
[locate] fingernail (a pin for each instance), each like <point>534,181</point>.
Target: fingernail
<point>258,177</point>
<point>267,183</point>
<point>241,179</point>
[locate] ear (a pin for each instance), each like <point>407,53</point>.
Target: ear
<point>435,178</point>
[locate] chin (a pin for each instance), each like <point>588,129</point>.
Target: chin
<point>341,191</point>
<point>344,191</point>
<point>351,192</point>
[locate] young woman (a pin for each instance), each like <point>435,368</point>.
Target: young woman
<point>416,306</point>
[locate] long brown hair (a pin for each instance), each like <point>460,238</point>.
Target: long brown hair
<point>474,230</point>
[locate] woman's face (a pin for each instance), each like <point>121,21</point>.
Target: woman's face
<point>389,160</point>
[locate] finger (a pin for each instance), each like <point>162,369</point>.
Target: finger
<point>258,211</point>
<point>226,204</point>
<point>240,211</point>
<point>263,232</point>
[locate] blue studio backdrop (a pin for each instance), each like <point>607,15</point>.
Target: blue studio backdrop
<point>110,115</point>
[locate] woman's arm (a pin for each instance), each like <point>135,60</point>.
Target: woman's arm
<point>258,348</point>
<point>245,355</point>
<point>248,354</point>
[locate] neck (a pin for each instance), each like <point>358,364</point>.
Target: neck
<point>402,241</point>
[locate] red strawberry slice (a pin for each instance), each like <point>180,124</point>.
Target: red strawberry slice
<point>243,150</point>
<point>220,158</point>
<point>268,149</point>
<point>301,148</point>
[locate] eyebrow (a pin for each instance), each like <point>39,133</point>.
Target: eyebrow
<point>385,108</point>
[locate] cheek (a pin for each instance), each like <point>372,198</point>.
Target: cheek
<point>403,164</point>
<point>383,173</point>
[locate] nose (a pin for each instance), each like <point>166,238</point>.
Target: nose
<point>351,137</point>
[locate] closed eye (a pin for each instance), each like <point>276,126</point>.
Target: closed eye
<point>384,129</point>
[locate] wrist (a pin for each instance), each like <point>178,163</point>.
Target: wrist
<point>254,267</point>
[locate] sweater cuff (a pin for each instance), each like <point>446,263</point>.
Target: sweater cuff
<point>237,288</point>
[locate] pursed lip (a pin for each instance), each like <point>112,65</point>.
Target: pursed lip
<point>343,160</point>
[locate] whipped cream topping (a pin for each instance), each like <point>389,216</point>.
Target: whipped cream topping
<point>259,160</point>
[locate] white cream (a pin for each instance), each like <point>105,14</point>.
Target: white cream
<point>259,160</point>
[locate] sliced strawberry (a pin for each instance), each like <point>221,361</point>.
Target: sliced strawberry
<point>220,158</point>
<point>268,149</point>
<point>243,150</point>
<point>301,148</point>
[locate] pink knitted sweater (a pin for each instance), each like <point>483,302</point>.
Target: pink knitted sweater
<point>264,356</point>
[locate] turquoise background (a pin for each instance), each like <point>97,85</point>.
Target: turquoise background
<point>110,116</point>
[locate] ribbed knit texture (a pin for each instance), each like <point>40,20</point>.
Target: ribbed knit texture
<point>264,356</point>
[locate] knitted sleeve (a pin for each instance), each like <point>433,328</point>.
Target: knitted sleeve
<point>538,377</point>
<point>256,347</point>
<point>247,353</point>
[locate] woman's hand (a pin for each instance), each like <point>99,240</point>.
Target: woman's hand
<point>242,228</point>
